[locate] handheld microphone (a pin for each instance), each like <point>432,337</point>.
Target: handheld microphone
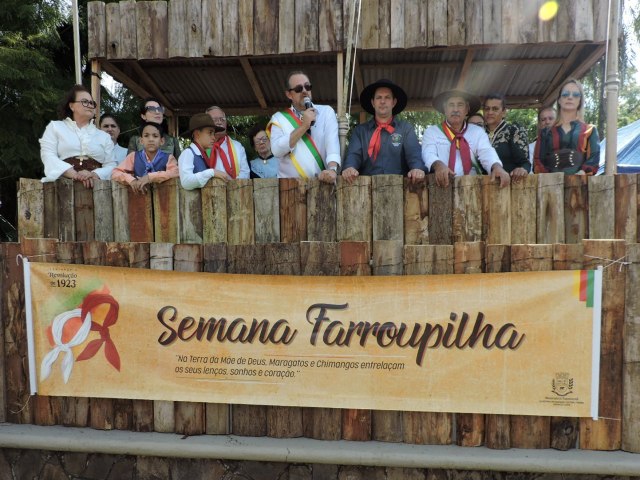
<point>308,105</point>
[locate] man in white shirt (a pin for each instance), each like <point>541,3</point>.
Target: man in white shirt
<point>457,148</point>
<point>227,154</point>
<point>546,118</point>
<point>304,137</point>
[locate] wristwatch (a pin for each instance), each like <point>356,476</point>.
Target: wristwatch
<point>334,168</point>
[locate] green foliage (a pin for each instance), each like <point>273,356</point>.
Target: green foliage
<point>526,118</point>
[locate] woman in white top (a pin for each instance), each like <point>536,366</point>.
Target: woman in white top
<point>73,146</point>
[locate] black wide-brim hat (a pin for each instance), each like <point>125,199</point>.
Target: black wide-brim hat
<point>441,99</point>
<point>370,90</point>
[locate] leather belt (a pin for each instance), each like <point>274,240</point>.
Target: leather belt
<point>83,163</point>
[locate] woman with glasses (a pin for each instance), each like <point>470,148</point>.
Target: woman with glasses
<point>153,111</point>
<point>265,165</point>
<point>570,145</point>
<point>73,147</point>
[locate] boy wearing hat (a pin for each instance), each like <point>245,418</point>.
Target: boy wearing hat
<point>196,166</point>
<point>457,148</point>
<point>383,145</point>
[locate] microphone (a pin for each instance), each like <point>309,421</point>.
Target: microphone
<point>307,105</point>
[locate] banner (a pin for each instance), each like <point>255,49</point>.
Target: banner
<point>509,343</point>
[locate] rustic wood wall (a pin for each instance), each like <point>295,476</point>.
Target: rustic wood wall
<point>197,28</point>
<point>378,226</point>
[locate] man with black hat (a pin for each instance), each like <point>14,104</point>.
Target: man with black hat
<point>457,148</point>
<point>383,145</point>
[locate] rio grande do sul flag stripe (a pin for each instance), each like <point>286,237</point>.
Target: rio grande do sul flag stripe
<point>441,343</point>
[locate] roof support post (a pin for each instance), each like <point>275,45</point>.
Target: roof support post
<point>96,75</point>
<point>343,122</point>
<point>611,90</point>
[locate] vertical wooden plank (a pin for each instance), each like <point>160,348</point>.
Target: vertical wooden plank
<point>230,25</point>
<point>245,27</point>
<point>626,205</point>
<point>467,208</point>
<point>66,213</point>
<point>437,34</point>
<point>550,217</point>
<point>369,24</point>
<point>265,24</point>
<point>469,258</point>
<point>319,258</point>
<point>386,201</point>
<point>102,210</point>
<point>430,428</point>
<point>266,204</point>
<point>321,212</point>
<point>440,212</point>
<point>330,26</point>
<point>606,432</point>
<point>19,406</point>
<point>584,21</point>
<point>185,29</point>
<point>286,26</point>
<point>523,210</point>
<point>416,210</point>
<point>496,212</point>
<point>3,362</point>
<point>491,21</point>
<point>473,22</point>
<point>354,210</point>
<point>306,25</point>
<point>384,23</point>
<point>212,32</point>
<point>83,207</point>
<point>189,416</point>
<point>50,210</point>
<point>531,431</point>
<point>600,19</point>
<point>190,212</point>
<point>456,31</point>
<point>165,211</point>
<point>240,219</point>
<point>602,204</point>
<point>631,354</point>
<point>97,29</point>
<point>214,211</point>
<point>293,210</point>
<point>140,213</point>
<point>215,257</point>
<point>564,430</point>
<point>497,427</point>
<point>112,13</point>
<point>576,208</point>
<point>416,26</point>
<point>161,258</point>
<point>47,410</point>
<point>128,30</point>
<point>510,24</point>
<point>30,208</point>
<point>120,199</point>
<point>526,28</point>
<point>386,425</point>
<point>397,23</point>
<point>153,29</point>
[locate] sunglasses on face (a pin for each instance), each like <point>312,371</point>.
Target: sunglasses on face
<point>154,109</point>
<point>299,88</point>
<point>86,103</point>
<point>571,94</point>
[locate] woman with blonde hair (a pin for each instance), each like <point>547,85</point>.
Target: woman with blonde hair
<point>570,145</point>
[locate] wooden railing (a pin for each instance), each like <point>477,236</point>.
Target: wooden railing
<point>378,226</point>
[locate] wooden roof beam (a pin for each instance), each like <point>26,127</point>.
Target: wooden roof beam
<point>124,79</point>
<point>466,67</point>
<point>253,81</point>
<point>153,87</point>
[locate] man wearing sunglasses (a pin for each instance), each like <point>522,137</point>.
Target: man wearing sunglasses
<point>304,137</point>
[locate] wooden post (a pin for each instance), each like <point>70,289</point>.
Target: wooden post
<point>30,208</point>
<point>190,216</point>
<point>214,211</point>
<point>66,215</point>
<point>293,210</point>
<point>354,260</point>
<point>120,198</point>
<point>626,202</point>
<point>140,217</point>
<point>523,210</point>
<point>240,223</point>
<point>321,423</point>
<point>416,211</point>
<point>354,222</point>
<point>606,432</point>
<point>189,416</point>
<point>576,208</point>
<point>440,212</point>
<point>467,208</point>
<point>469,258</point>
<point>531,431</point>
<point>266,205</point>
<point>102,211</point>
<point>631,365</point>
<point>429,428</point>
<point>51,210</point>
<point>386,200</point>
<point>550,218</point>
<point>47,410</point>
<point>321,212</point>
<point>165,211</point>
<point>498,259</point>
<point>602,207</point>
<point>496,212</point>
<point>83,208</point>
<point>164,420</point>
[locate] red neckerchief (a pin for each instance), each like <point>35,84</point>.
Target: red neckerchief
<point>207,159</point>
<point>374,143</point>
<point>461,144</point>
<point>228,164</point>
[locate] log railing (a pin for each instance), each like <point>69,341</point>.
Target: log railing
<point>378,226</point>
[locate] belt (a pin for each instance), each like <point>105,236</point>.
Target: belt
<point>83,163</point>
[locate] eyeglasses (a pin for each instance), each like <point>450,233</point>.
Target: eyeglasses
<point>86,103</point>
<point>571,94</point>
<point>109,125</point>
<point>261,140</point>
<point>299,88</point>
<point>219,119</point>
<point>480,124</point>
<point>154,109</point>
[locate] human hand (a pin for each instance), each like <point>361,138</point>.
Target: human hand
<point>221,175</point>
<point>350,174</point>
<point>309,117</point>
<point>87,181</point>
<point>328,176</point>
<point>497,172</point>
<point>518,174</point>
<point>443,174</point>
<point>416,175</point>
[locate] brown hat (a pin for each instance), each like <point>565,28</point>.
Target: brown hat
<point>200,120</point>
<point>441,99</point>
<point>369,91</point>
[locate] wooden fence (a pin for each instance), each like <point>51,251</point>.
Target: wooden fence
<point>378,226</point>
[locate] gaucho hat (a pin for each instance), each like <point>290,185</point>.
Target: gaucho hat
<point>440,100</point>
<point>370,90</point>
